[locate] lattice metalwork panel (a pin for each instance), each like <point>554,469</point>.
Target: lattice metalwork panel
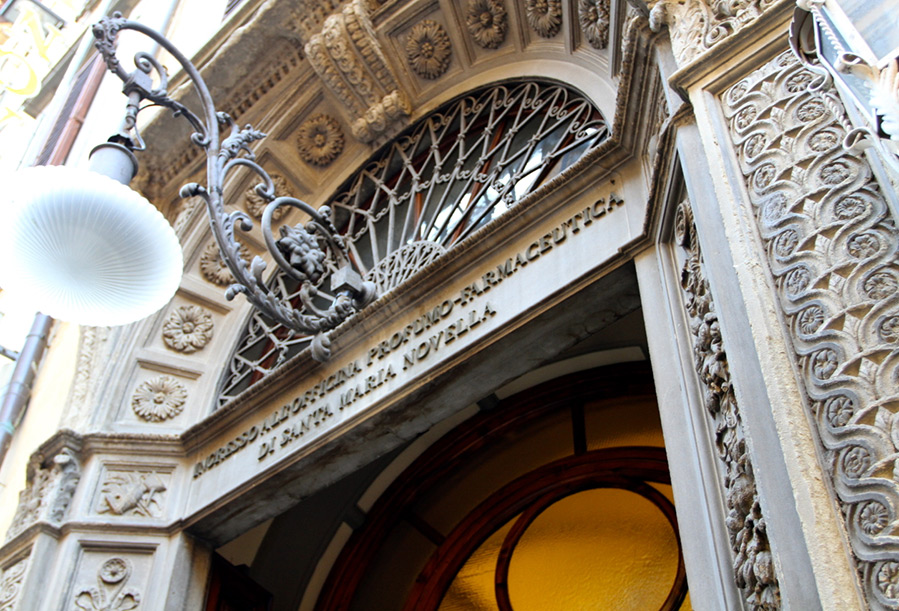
<point>432,187</point>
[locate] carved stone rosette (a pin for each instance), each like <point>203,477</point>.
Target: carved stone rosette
<point>213,267</point>
<point>50,484</point>
<point>544,16</point>
<point>319,140</point>
<point>696,26</point>
<point>830,246</point>
<point>753,564</point>
<point>187,329</point>
<point>112,592</point>
<point>486,22</point>
<point>594,18</point>
<point>159,399</point>
<point>255,204</point>
<point>428,49</point>
<point>348,57</point>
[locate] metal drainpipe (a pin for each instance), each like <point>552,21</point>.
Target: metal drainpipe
<point>16,394</point>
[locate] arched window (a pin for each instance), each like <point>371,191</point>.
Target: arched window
<point>432,187</point>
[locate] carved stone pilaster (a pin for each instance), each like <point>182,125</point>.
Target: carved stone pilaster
<point>753,564</point>
<point>343,50</point>
<point>50,484</point>
<point>830,246</point>
<point>696,26</point>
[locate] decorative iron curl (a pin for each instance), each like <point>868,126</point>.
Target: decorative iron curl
<point>301,251</point>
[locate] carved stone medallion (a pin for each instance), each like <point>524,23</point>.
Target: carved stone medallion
<point>213,267</point>
<point>486,22</point>
<point>159,399</point>
<point>255,204</point>
<point>544,16</point>
<point>187,329</point>
<point>593,16</point>
<point>320,140</point>
<point>428,49</point>
<point>112,592</point>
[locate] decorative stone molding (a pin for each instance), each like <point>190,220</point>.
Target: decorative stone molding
<point>213,267</point>
<point>186,213</point>
<point>50,483</point>
<point>187,329</point>
<point>11,584</point>
<point>486,21</point>
<point>595,20</point>
<point>159,399</point>
<point>830,246</point>
<point>753,563</point>
<point>255,204</point>
<point>347,56</point>
<point>319,140</point>
<point>428,49</point>
<point>544,16</point>
<point>112,592</point>
<point>127,492</point>
<point>696,26</point>
<point>88,367</point>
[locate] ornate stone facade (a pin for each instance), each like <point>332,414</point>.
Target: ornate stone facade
<point>112,592</point>
<point>428,49</point>
<point>11,584</point>
<point>319,140</point>
<point>159,399</point>
<point>213,267</point>
<point>133,492</point>
<point>593,15</point>
<point>51,483</point>
<point>753,563</point>
<point>544,16</point>
<point>830,246</point>
<point>187,329</point>
<point>486,21</point>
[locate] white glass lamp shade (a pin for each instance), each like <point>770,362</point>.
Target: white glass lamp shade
<point>81,247</point>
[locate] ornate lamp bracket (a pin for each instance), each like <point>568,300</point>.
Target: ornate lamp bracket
<point>303,251</point>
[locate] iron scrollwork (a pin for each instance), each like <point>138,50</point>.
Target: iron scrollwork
<point>301,251</point>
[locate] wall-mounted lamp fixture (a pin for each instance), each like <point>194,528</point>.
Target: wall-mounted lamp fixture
<point>855,45</point>
<point>88,249</point>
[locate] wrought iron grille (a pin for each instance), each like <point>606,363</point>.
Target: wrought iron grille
<point>429,189</point>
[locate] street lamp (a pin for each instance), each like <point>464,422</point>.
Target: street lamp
<point>129,274</point>
<point>855,43</point>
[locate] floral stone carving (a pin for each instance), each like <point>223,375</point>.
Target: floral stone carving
<point>428,49</point>
<point>138,493</point>
<point>486,22</point>
<point>11,584</point>
<point>187,329</point>
<point>593,16</point>
<point>255,204</point>
<point>544,16</point>
<point>112,592</point>
<point>213,267</point>
<point>753,563</point>
<point>49,488</point>
<point>159,399</point>
<point>320,140</point>
<point>829,245</point>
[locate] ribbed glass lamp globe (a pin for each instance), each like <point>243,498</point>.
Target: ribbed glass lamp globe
<point>84,248</point>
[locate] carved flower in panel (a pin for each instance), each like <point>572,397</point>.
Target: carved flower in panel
<point>159,399</point>
<point>755,144</point>
<point>255,203</point>
<point>889,329</point>
<point>798,82</point>
<point>428,49</point>
<point>486,21</point>
<point>320,140</point>
<point>187,329</point>
<point>880,285</point>
<point>745,117</point>
<point>213,266</point>
<point>112,593</point>
<point>888,579</point>
<point>873,518</point>
<point>863,245</point>
<point>824,363</point>
<point>835,173</point>
<point>823,140</point>
<point>114,570</point>
<point>798,280</point>
<point>810,111</point>
<point>594,19</point>
<point>849,208</point>
<point>839,410</point>
<point>856,461</point>
<point>810,319</point>
<point>545,16</point>
<point>786,242</point>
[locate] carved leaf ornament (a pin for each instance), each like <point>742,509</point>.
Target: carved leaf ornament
<point>320,140</point>
<point>111,593</point>
<point>830,247</point>
<point>159,399</point>
<point>486,21</point>
<point>428,49</point>
<point>465,164</point>
<point>187,329</point>
<point>544,16</point>
<point>593,16</point>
